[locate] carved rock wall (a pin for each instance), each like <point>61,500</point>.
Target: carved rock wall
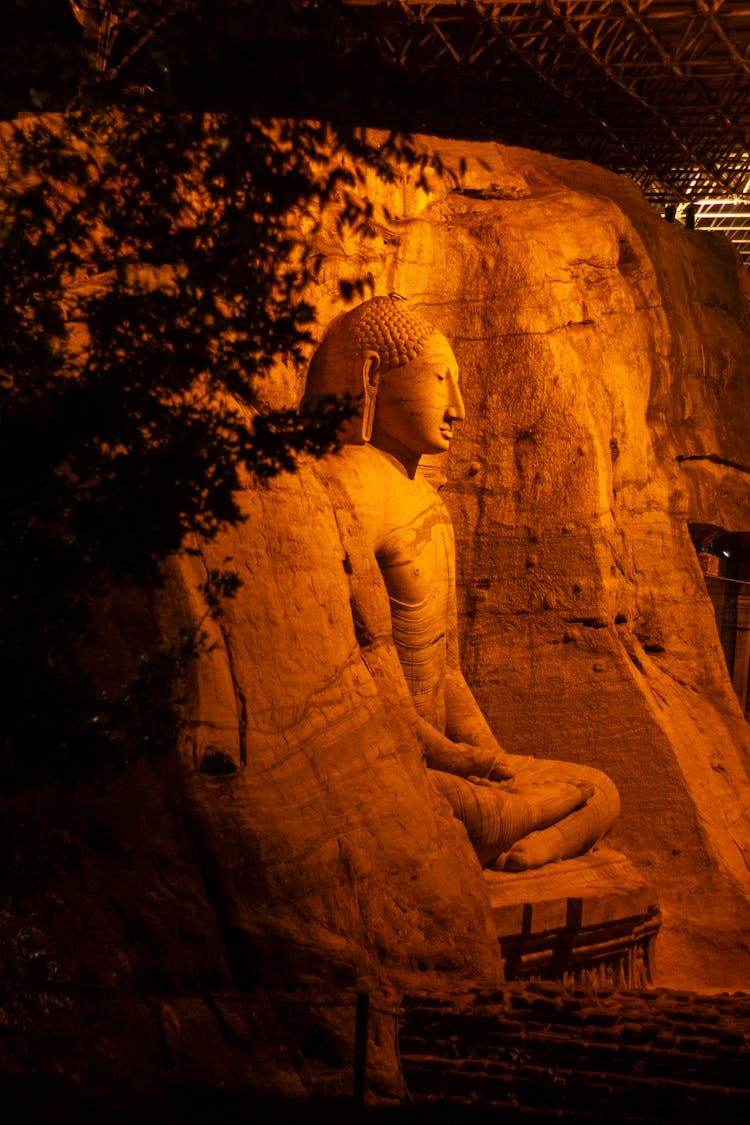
<point>605,359</point>
<point>328,869</point>
<point>305,859</point>
<point>211,918</point>
<point>322,840</point>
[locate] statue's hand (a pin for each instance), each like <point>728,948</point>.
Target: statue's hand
<point>485,781</point>
<point>479,760</point>
<point>485,759</point>
<point>501,770</point>
<point>490,762</point>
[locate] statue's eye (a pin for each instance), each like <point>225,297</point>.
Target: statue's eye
<point>441,378</point>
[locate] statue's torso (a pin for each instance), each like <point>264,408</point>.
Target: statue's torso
<point>409,529</point>
<point>416,563</point>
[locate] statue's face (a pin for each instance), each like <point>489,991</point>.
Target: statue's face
<point>417,404</point>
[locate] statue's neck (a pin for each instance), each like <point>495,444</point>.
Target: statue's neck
<point>403,459</point>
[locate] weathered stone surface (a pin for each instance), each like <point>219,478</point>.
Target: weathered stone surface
<point>599,348</point>
<point>294,848</point>
<point>329,865</point>
<point>212,918</point>
<point>556,1052</point>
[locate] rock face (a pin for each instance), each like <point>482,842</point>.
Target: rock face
<point>330,867</point>
<point>293,855</point>
<point>605,358</point>
<point>604,361</point>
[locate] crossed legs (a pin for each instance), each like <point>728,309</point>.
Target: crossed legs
<point>550,810</point>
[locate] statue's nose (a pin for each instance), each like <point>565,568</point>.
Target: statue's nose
<point>455,403</point>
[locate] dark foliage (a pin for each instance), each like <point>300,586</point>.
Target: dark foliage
<point>149,279</point>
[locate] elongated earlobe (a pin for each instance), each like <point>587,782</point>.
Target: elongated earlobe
<point>370,380</point>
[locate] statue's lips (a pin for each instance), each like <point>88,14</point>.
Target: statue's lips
<point>447,432</point>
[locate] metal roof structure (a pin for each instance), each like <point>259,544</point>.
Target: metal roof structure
<point>658,90</point>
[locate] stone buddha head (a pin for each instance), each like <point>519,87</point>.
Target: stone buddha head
<point>401,370</point>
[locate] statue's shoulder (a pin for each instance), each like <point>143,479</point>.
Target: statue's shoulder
<point>352,466</point>
<point>379,492</point>
<point>355,479</point>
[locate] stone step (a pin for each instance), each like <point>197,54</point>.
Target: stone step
<point>700,1065</point>
<point>641,1055</point>
<point>595,1093</point>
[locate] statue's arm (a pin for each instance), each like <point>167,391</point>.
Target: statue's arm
<point>467,747</point>
<point>477,754</point>
<point>442,752</point>
<point>360,523</point>
<point>462,758</point>
<point>465,724</point>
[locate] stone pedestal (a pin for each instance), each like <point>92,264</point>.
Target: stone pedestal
<point>592,919</point>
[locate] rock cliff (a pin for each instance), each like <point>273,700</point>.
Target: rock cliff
<point>604,360</point>
<point>293,855</point>
<point>605,366</point>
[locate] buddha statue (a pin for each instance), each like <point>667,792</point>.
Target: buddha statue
<point>520,812</point>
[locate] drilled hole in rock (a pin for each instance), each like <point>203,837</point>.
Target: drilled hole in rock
<point>627,261</point>
<point>215,763</point>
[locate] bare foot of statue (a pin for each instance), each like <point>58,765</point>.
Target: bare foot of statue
<point>551,838</point>
<point>543,802</point>
<point>499,816</point>
<point>554,800</point>
<point>535,850</point>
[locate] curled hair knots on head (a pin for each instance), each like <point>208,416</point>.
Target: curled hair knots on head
<point>384,325</point>
<point>340,364</point>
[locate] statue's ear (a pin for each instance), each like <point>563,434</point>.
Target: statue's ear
<point>370,380</point>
